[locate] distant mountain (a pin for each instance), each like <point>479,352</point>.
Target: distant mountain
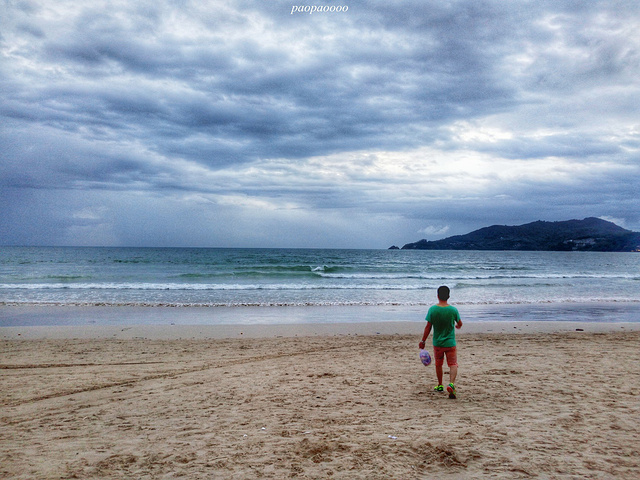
<point>590,234</point>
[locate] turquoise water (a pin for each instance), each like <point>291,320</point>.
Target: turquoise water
<point>304,277</point>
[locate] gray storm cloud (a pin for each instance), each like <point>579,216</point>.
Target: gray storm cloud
<point>239,124</point>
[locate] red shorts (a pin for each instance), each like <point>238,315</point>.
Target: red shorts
<point>452,356</point>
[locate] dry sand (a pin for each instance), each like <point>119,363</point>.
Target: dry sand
<point>531,405</point>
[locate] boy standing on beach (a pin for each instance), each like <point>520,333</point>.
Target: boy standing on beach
<point>442,317</point>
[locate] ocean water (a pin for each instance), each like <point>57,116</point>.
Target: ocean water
<point>147,277</point>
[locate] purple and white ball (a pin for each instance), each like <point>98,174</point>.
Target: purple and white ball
<point>425,358</point>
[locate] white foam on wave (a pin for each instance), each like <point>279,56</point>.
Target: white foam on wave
<point>455,277</point>
<point>563,301</point>
<point>208,286</point>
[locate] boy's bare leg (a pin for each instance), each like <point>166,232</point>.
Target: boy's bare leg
<point>439,374</point>
<point>453,373</point>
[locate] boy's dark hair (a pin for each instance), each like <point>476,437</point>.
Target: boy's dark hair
<point>443,293</point>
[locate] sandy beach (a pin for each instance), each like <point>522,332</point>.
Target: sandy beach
<point>327,403</point>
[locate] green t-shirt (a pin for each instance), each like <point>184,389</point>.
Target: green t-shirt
<point>443,321</point>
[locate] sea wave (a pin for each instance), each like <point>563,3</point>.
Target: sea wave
<point>224,280</point>
<point>208,286</point>
<point>445,277</point>
<point>558,301</point>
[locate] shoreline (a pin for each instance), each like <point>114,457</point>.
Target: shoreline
<point>21,322</point>
<point>219,332</point>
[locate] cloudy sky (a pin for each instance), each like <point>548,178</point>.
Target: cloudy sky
<point>240,123</point>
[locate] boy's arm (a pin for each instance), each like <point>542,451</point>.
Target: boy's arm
<point>427,331</point>
<point>459,324</point>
